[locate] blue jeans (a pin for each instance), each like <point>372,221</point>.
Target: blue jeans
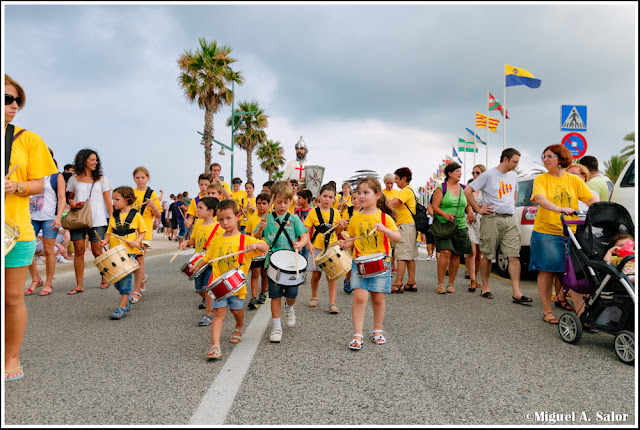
<point>234,303</point>
<point>376,284</point>
<point>548,252</point>
<point>203,280</point>
<point>45,226</point>
<point>81,233</point>
<point>182,229</point>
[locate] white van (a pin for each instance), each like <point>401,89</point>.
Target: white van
<point>624,191</point>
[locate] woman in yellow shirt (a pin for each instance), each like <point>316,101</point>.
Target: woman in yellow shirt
<point>34,162</point>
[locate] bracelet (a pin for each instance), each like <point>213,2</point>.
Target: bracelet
<point>26,192</point>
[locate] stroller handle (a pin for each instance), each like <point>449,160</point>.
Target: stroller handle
<point>574,221</point>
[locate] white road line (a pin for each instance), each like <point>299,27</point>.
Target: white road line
<point>217,401</point>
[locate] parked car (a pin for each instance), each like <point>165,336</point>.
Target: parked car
<point>624,191</point>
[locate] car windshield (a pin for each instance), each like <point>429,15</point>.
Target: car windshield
<point>524,193</point>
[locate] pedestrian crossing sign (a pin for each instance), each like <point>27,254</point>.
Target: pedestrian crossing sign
<point>573,118</point>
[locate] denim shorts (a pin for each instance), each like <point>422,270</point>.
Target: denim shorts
<point>548,252</point>
<point>234,303</point>
<point>81,233</point>
<point>203,280</point>
<point>124,284</point>
<point>45,226</point>
<point>21,254</point>
<point>182,229</point>
<point>276,290</point>
<point>376,284</point>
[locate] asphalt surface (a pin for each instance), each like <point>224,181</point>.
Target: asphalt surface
<point>454,359</point>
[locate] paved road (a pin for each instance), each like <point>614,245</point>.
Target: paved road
<point>454,359</point>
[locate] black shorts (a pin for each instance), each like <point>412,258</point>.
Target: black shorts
<point>174,224</point>
<point>430,239</point>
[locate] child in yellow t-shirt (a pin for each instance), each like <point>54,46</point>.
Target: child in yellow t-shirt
<point>148,205</point>
<point>204,230</point>
<point>294,199</point>
<point>257,266</point>
<point>223,245</point>
<point>250,207</point>
<point>345,200</point>
<point>216,190</point>
<point>239,196</point>
<point>192,213</point>
<point>319,241</point>
<point>348,214</point>
<point>131,230</point>
<point>376,226</point>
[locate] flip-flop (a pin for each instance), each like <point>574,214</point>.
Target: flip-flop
<point>487,295</point>
<point>13,378</point>
<point>74,291</point>
<point>522,299</point>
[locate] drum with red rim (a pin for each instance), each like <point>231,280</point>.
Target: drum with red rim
<point>188,267</point>
<point>226,284</point>
<point>372,264</point>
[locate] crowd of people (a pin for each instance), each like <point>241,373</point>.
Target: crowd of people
<point>236,230</point>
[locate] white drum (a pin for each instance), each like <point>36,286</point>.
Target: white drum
<point>11,235</point>
<point>282,268</point>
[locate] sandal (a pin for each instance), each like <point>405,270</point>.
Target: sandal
<point>355,343</point>
<point>378,339</point>
<point>563,304</point>
<point>144,283</point>
<point>104,284</point>
<point>74,291</point>
<point>333,308</point>
<point>450,288</point>
<point>29,291</point>
<point>397,289</point>
<point>205,320</point>
<point>135,299</point>
<point>313,302</point>
<point>440,289</point>
<point>410,287</point>
<point>551,319</point>
<point>236,338</point>
<point>46,292</point>
<point>13,378</point>
<point>214,352</point>
<point>473,287</point>
<point>487,295</point>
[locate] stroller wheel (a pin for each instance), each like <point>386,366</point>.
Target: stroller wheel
<point>570,328</point>
<point>624,345</point>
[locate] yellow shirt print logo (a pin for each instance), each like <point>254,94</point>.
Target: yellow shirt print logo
<point>504,189</point>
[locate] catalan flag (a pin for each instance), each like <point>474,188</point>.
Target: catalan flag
<point>481,122</point>
<point>516,76</point>
<point>494,104</point>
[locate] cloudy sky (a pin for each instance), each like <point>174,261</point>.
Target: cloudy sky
<point>368,86</point>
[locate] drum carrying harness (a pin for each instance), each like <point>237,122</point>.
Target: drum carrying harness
<point>147,195</point>
<point>121,228</point>
<point>281,230</point>
<point>323,227</point>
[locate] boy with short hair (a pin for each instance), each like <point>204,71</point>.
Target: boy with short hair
<point>257,266</point>
<point>294,200</point>
<point>180,216</point>
<point>204,230</point>
<point>216,190</point>
<point>266,187</point>
<point>192,213</point>
<point>223,246</point>
<point>293,229</point>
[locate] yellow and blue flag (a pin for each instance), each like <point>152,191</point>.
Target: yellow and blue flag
<point>516,76</point>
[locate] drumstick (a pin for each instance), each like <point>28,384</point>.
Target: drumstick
<point>142,204</point>
<point>297,271</point>
<point>226,256</point>
<point>175,255</point>
<point>100,239</point>
<point>270,203</point>
<point>124,239</point>
<point>13,169</point>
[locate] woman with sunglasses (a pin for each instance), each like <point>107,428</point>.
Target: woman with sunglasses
<point>33,160</point>
<point>555,192</point>
<point>473,260</point>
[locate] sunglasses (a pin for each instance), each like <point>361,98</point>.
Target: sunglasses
<point>542,157</point>
<point>9,99</point>
<point>477,172</point>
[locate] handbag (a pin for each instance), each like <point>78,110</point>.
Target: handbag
<point>446,230</point>
<point>79,218</point>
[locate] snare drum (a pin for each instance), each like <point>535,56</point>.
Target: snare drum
<point>190,265</point>
<point>258,262</point>
<point>372,265</point>
<point>335,262</point>
<point>11,235</point>
<point>115,264</point>
<point>226,284</point>
<point>282,268</point>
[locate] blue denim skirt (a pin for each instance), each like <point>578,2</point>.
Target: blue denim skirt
<point>548,252</point>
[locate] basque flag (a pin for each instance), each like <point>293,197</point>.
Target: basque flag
<point>516,76</point>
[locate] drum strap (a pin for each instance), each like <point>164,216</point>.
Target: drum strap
<point>8,144</point>
<point>213,232</point>
<point>147,195</point>
<point>281,229</point>
<point>241,257</point>
<point>121,228</point>
<point>323,227</point>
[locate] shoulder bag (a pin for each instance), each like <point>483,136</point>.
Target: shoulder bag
<point>446,230</point>
<point>79,218</point>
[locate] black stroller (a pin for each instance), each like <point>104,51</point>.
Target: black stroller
<point>610,302</point>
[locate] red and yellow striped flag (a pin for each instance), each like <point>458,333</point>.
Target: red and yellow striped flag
<point>481,122</point>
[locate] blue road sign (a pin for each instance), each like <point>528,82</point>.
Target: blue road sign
<point>576,144</point>
<point>573,118</point>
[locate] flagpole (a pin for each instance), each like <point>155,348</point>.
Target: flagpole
<point>487,142</point>
<point>464,169</point>
<point>504,109</point>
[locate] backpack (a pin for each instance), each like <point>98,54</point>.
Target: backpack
<point>420,217</point>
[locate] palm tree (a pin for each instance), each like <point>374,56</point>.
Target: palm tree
<point>519,172</point>
<point>204,78</point>
<point>278,175</point>
<point>538,171</point>
<point>251,130</point>
<point>271,155</point>
<point>613,167</point>
<point>629,150</point>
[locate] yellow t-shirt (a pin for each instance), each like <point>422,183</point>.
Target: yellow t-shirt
<point>361,225</point>
<point>148,213</point>
<point>349,203</point>
<point>407,196</point>
<point>193,207</point>
<point>222,245</point>
<point>312,222</point>
<point>252,223</point>
<point>563,191</point>
<point>339,197</point>
<point>250,211</point>
<point>34,161</point>
<point>137,223</point>
<point>202,232</point>
<point>293,205</point>
<point>390,195</point>
<point>240,198</point>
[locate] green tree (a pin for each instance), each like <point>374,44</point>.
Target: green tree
<point>271,155</point>
<point>251,130</point>
<point>278,175</point>
<point>205,77</point>
<point>519,172</point>
<point>629,150</point>
<point>613,167</point>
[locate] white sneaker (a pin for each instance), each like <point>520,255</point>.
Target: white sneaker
<point>276,335</point>
<point>38,260</point>
<point>61,259</point>
<point>290,318</point>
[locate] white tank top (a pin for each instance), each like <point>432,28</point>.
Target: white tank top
<point>43,206</point>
